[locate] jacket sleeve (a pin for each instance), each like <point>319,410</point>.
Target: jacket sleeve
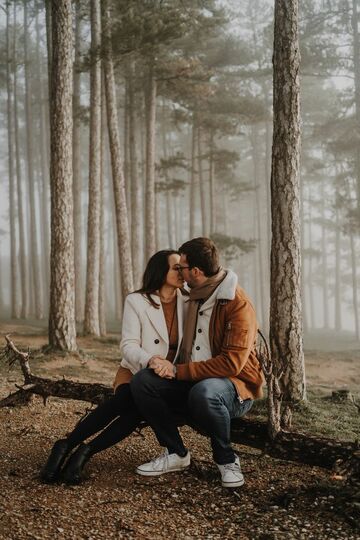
<point>238,342</point>
<point>130,346</point>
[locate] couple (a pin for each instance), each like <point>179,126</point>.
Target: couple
<point>192,354</point>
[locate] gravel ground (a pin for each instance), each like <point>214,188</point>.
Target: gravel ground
<point>279,500</point>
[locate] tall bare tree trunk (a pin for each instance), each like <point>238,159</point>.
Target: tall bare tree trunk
<point>325,286</point>
<point>102,266</point>
<point>192,191</point>
<point>136,237</point>
<point>338,318</point>
<point>212,185</point>
<point>45,198</point>
<point>150,225</point>
<point>204,221</point>
<point>91,321</point>
<point>62,328</point>
<point>34,241</point>
<point>259,250</point>
<point>77,172</point>
<point>116,162</point>
<point>24,260</point>
<point>356,49</point>
<point>14,297</point>
<point>285,305</point>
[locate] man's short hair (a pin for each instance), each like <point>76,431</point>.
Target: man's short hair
<point>203,253</point>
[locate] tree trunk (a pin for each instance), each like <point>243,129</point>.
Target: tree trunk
<point>45,187</point>
<point>21,196</point>
<point>310,274</point>
<point>77,172</point>
<point>338,318</point>
<point>356,48</point>
<point>150,104</point>
<point>204,221</point>
<point>14,297</point>
<point>102,267</point>
<point>212,186</point>
<point>325,287</point>
<point>91,321</point>
<point>259,250</point>
<point>136,237</point>
<point>285,304</point>
<point>192,191</point>
<point>34,242</point>
<point>62,329</point>
<point>116,162</point>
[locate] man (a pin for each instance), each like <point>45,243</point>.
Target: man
<point>217,375</point>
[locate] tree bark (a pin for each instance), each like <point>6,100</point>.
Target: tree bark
<point>324,248</point>
<point>150,104</point>
<point>338,318</point>
<point>21,196</point>
<point>14,297</point>
<point>212,185</point>
<point>285,306</point>
<point>34,242</point>
<point>91,321</point>
<point>204,221</point>
<point>116,162</point>
<point>62,329</point>
<point>77,172</point>
<point>192,191</point>
<point>45,187</point>
<point>356,49</point>
<point>102,267</point>
<point>136,237</point>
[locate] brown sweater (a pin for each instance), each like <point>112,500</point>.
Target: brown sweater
<point>170,315</point>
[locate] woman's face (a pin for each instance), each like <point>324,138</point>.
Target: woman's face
<point>173,277</point>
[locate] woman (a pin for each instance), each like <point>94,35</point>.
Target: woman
<point>152,328</point>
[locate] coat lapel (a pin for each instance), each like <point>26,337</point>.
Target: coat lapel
<point>157,319</point>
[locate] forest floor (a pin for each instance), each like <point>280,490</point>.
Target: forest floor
<point>280,500</point>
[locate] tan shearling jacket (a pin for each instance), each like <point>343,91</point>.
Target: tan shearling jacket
<point>232,335</point>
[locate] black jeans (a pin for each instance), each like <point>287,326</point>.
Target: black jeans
<point>211,403</point>
<point>116,418</point>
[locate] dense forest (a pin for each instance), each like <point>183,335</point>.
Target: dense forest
<point>173,105</point>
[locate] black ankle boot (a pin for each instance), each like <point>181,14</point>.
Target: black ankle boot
<point>72,473</point>
<point>51,469</point>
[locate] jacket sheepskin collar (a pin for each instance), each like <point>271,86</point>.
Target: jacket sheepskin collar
<point>227,288</point>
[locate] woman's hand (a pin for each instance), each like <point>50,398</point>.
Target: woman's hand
<point>162,367</point>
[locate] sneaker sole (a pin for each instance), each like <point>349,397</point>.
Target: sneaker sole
<point>233,484</point>
<point>159,473</point>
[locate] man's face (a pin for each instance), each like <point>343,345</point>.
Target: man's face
<point>186,271</point>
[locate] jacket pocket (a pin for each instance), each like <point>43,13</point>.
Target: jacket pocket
<point>236,337</point>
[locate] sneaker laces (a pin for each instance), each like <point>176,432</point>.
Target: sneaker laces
<point>164,457</point>
<point>233,467</point>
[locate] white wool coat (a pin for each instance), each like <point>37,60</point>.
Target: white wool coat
<point>144,331</point>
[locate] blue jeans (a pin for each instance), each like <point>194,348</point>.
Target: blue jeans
<point>211,403</point>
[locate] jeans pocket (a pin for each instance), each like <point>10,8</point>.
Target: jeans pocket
<point>242,407</point>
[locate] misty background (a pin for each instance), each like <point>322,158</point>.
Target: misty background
<point>213,148</point>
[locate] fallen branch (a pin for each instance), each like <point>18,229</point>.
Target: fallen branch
<point>287,445</point>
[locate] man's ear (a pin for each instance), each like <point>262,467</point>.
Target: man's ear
<point>197,272</point>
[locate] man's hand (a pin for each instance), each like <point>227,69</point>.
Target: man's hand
<point>162,367</point>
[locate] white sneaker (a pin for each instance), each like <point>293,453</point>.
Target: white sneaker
<point>231,475</point>
<point>163,464</point>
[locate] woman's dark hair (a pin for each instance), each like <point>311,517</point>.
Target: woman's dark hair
<point>155,274</point>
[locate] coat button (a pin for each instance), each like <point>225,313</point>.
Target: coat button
<point>156,341</point>
<point>198,348</point>
<point>199,330</point>
<point>201,312</point>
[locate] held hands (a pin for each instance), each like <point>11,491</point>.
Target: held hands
<point>162,367</point>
